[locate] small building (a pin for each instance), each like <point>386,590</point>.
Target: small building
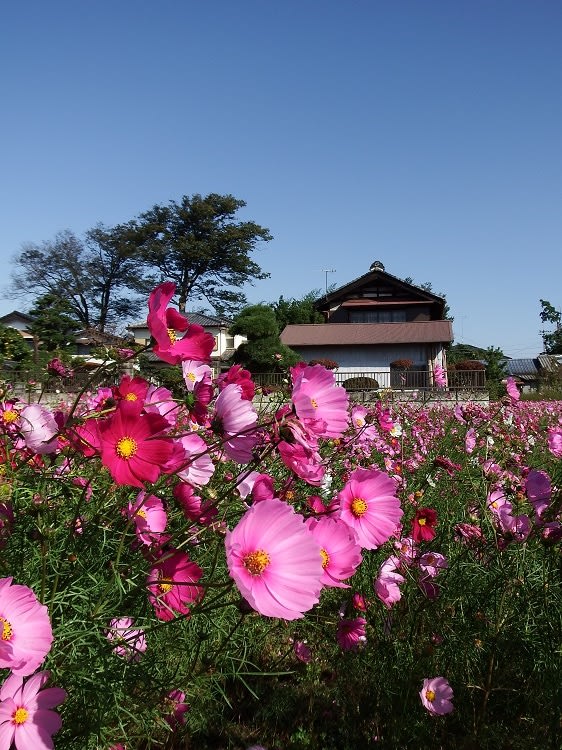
<point>378,326</point>
<point>532,373</point>
<point>21,322</point>
<point>225,343</point>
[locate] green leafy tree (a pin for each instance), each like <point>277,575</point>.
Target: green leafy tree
<point>54,325</point>
<point>199,244</point>
<point>264,351</point>
<point>552,340</point>
<point>96,276</point>
<point>295,311</point>
<point>13,347</point>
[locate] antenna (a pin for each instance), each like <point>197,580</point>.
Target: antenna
<point>327,271</point>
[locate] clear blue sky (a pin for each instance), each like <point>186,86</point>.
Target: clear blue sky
<point>424,134</point>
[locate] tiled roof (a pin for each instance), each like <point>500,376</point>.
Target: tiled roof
<point>358,334</point>
<point>521,367</point>
<point>200,319</point>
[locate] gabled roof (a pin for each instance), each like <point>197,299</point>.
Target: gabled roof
<point>201,319</point>
<point>364,334</point>
<point>15,314</point>
<point>376,273</point>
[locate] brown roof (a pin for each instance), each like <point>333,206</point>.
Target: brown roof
<point>357,334</point>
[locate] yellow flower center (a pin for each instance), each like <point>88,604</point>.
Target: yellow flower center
<point>325,558</point>
<point>289,495</point>
<point>172,335</point>
<point>358,507</point>
<point>126,447</point>
<point>314,403</point>
<point>191,376</point>
<point>6,629</point>
<point>131,397</point>
<point>430,695</point>
<point>256,562</point>
<point>10,416</point>
<point>359,422</point>
<point>430,559</point>
<point>422,521</point>
<point>165,587</point>
<point>20,716</point>
<point>141,513</point>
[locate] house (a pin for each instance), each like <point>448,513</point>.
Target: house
<point>21,322</point>
<point>225,343</point>
<point>377,326</point>
<point>532,373</point>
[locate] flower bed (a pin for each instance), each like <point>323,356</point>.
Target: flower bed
<point>196,572</point>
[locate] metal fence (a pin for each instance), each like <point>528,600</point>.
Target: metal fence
<point>395,380</point>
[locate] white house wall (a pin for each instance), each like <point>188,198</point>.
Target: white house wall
<point>362,358</point>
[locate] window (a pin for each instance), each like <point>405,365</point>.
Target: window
<point>377,316</point>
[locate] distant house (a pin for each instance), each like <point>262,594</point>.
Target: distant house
<point>375,326</point>
<point>21,322</point>
<point>225,343</point>
<point>532,373</point>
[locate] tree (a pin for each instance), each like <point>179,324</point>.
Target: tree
<point>264,351</point>
<point>198,244</point>
<point>552,340</point>
<point>294,311</point>
<point>12,346</point>
<point>54,325</point>
<point>89,275</point>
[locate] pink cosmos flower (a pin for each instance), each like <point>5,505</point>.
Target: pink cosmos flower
<point>26,629</point>
<point>432,563</point>
<point>496,500</point>
<point>163,322</point>
<point>99,399</point>
<point>351,634</point>
<point>304,462</point>
<point>387,584</point>
<point>439,376</point>
<point>512,389</point>
<point>149,516</point>
<point>196,467</point>
<point>176,708</point>
<point>132,446</point>
<point>172,584</point>
<point>302,651</point>
<point>368,504</point>
<point>539,490</point>
<point>436,695</point>
<point>159,400</point>
<point>131,389</point>
<point>39,429</point>
<point>470,440</point>
<point>274,560</point>
<point>192,506</point>
<point>26,718</point>
<point>243,378</point>
<point>198,383</point>
<point>514,528</point>
<point>235,420</point>
<point>359,602</point>
<point>339,550</point>
<point>555,441</point>
<point>260,486</point>
<point>319,402</point>
<point>130,643</point>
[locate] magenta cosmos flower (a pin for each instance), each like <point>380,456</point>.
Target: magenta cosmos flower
<point>274,560</point>
<point>387,583</point>
<point>319,402</point>
<point>436,695</point>
<point>172,585</point>
<point>149,516</point>
<point>163,323</point>
<point>351,634</point>
<point>26,629</point>
<point>555,441</point>
<point>368,504</point>
<point>26,718</point>
<point>339,549</point>
<point>132,446</point>
<point>129,643</point>
<point>235,420</point>
<point>423,525</point>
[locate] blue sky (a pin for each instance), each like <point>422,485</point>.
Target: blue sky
<point>427,135</point>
